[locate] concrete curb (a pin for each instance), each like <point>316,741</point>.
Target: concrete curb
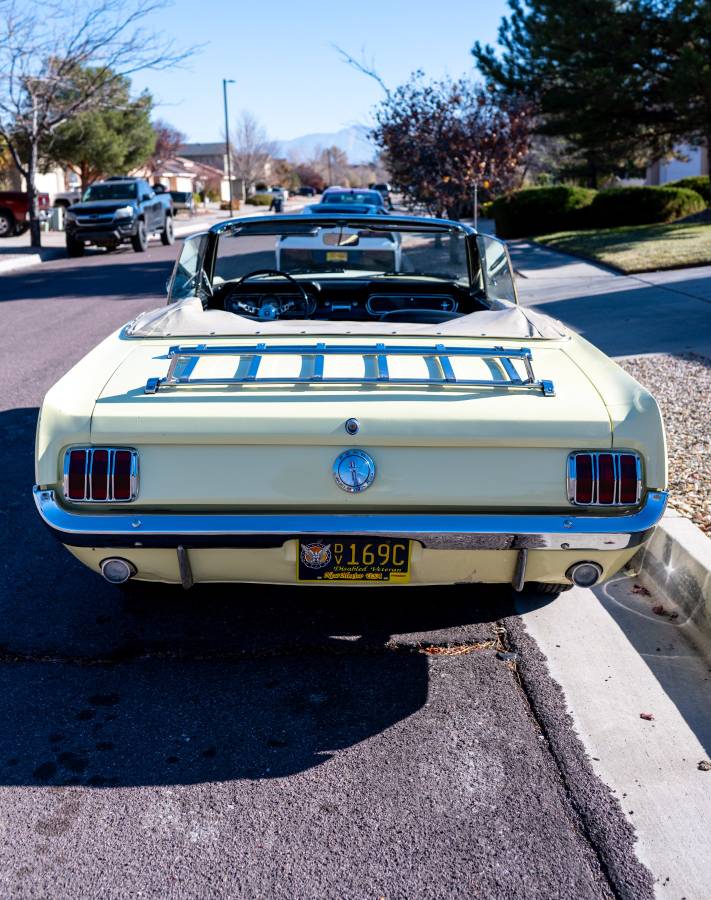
<point>677,563</point>
<point>27,260</point>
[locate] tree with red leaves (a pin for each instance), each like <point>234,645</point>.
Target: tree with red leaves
<point>168,140</point>
<point>441,137</point>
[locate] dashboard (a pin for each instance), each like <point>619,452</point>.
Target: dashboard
<point>356,300</point>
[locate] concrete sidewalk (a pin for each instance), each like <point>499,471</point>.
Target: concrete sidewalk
<point>667,312</point>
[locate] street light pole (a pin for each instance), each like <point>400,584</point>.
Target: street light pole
<point>225,82</point>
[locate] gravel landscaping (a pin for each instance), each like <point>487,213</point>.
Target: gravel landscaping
<point>682,386</point>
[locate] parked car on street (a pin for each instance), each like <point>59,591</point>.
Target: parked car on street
<point>306,191</point>
<point>355,417</point>
<point>14,211</point>
<point>383,188</point>
<point>183,201</point>
<point>119,211</point>
<point>352,195</point>
<point>346,247</point>
<point>357,209</point>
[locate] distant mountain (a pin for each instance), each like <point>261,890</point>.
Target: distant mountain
<point>353,140</point>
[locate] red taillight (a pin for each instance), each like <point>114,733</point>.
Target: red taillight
<point>76,475</point>
<point>628,478</point>
<point>122,475</point>
<point>101,474</point>
<point>584,478</point>
<point>604,479</point>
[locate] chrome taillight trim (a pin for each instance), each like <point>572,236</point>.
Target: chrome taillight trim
<point>110,475</point>
<point>571,476</point>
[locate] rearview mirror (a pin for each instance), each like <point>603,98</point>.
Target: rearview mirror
<point>341,240</point>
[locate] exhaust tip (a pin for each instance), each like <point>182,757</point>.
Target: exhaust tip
<point>116,570</point>
<point>584,574</point>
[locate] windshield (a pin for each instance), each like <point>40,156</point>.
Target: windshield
<point>116,191</point>
<point>345,250</point>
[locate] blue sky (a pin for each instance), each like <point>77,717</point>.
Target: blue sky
<point>287,72</point>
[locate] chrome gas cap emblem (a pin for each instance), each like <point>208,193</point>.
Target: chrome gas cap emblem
<point>354,471</point>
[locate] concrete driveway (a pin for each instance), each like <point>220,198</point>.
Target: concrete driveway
<point>667,312</point>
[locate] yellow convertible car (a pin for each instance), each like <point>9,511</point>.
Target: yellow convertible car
<point>379,411</point>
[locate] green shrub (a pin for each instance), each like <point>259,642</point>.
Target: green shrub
<point>699,183</point>
<point>641,206</point>
<point>540,210</point>
<point>260,200</point>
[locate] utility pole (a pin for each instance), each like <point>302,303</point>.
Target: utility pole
<point>485,184</point>
<point>225,82</point>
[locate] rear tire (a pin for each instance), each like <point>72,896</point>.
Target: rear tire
<point>140,239</point>
<point>7,225</point>
<point>168,235</point>
<point>74,248</point>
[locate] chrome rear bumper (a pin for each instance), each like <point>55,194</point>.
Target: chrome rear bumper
<point>446,531</point>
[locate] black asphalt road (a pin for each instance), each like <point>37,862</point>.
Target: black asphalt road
<point>247,741</point>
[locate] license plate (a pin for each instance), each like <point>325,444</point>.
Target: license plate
<point>345,559</point>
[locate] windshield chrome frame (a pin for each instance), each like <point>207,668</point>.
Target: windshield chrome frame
<point>253,225</point>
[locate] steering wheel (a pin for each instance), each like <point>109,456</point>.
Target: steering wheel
<point>301,289</point>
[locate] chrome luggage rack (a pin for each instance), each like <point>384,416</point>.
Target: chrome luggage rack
<point>437,358</point>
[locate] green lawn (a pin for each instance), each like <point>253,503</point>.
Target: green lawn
<point>643,248</point>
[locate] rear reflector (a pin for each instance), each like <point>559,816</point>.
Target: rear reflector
<point>101,475</point>
<point>604,479</point>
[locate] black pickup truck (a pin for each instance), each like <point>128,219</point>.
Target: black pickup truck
<point>119,211</point>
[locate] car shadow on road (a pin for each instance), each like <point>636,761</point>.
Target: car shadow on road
<point>221,682</point>
<point>96,275</point>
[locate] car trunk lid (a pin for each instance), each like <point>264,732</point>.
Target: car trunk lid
<point>274,443</point>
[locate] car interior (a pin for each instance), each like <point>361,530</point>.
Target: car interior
<point>267,294</point>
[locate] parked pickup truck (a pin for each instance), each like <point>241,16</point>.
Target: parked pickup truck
<point>67,198</point>
<point>14,211</point>
<point>119,211</point>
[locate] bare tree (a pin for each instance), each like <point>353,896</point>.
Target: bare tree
<point>43,46</point>
<point>363,65</point>
<point>251,150</point>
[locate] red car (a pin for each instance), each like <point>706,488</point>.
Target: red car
<point>14,211</point>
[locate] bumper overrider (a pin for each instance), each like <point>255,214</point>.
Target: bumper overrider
<point>611,530</point>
